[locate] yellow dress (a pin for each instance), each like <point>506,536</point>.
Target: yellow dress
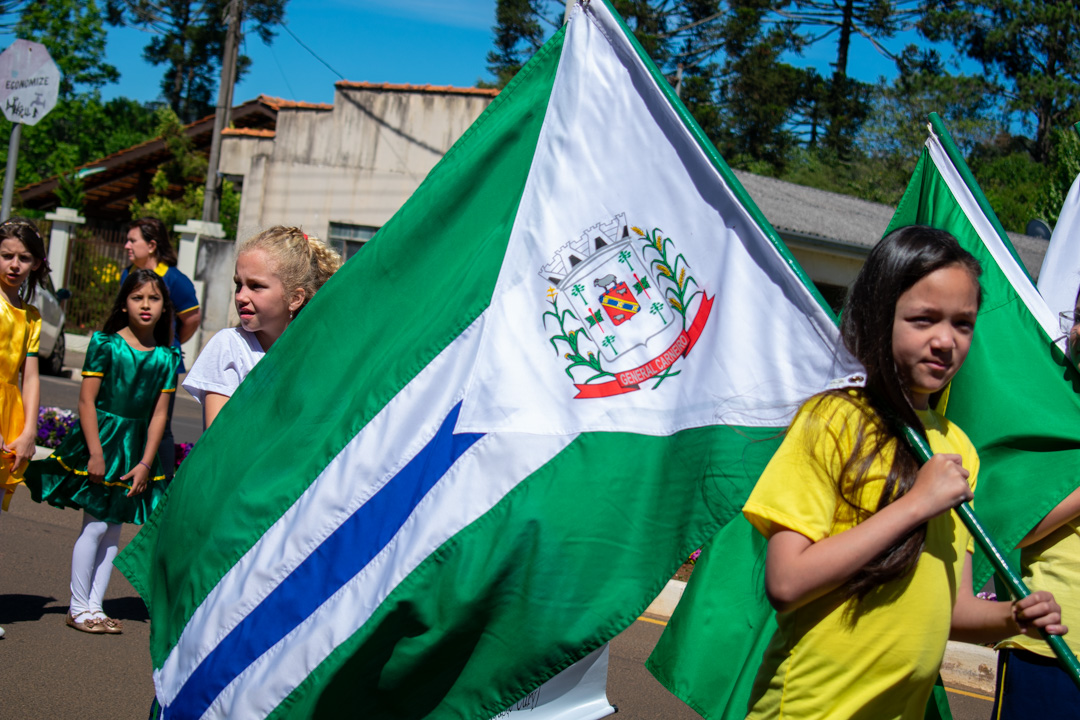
<point>20,334</point>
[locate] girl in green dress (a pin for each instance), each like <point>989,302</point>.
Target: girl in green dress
<point>108,464</point>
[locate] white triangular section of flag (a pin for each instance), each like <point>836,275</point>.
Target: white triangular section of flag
<point>743,343</point>
<point>1059,276</point>
<point>577,693</point>
<point>990,238</point>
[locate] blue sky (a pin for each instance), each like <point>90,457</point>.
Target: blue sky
<point>441,42</point>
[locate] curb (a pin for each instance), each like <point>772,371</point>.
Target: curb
<point>972,667</point>
<point>969,666</point>
<point>664,604</point>
<point>76,343</point>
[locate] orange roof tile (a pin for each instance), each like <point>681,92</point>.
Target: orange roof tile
<point>490,92</point>
<point>283,104</point>
<point>249,132</point>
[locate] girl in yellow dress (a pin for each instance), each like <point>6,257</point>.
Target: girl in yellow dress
<point>22,267</point>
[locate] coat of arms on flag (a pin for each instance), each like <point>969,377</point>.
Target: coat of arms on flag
<point>630,307</point>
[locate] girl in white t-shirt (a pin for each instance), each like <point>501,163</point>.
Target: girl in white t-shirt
<point>278,271</point>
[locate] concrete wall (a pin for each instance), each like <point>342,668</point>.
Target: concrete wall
<point>356,164</point>
<point>216,266</point>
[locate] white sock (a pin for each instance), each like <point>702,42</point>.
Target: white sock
<point>90,549</point>
<point>103,567</point>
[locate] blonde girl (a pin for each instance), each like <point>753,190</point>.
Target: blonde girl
<point>278,271</point>
<point>868,567</point>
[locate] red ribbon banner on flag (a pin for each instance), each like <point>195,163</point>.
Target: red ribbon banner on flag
<point>629,380</point>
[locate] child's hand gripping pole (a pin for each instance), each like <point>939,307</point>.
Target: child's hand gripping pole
<point>1012,581</point>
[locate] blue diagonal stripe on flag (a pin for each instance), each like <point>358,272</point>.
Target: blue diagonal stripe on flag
<point>351,547</point>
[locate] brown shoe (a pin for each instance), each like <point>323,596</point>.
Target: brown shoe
<point>90,625</point>
<point>112,626</point>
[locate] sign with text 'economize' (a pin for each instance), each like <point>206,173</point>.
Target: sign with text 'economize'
<point>29,82</point>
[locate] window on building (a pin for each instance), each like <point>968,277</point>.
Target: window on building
<point>347,239</point>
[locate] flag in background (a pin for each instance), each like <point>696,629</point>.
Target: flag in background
<point>1059,276</point>
<point>492,437</point>
<point>1014,396</point>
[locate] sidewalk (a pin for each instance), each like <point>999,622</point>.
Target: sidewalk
<point>971,667</point>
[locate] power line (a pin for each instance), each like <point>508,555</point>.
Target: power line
<point>281,70</point>
<point>289,30</point>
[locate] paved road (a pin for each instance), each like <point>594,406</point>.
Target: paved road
<point>53,671</point>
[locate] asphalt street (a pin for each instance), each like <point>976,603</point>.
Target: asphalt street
<point>53,671</point>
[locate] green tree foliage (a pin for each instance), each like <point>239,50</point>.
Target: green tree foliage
<point>77,131</point>
<point>697,74</point>
<point>898,126</point>
<point>731,62</point>
<point>518,34</point>
<point>1010,177</point>
<point>846,101</point>
<point>892,137</point>
<point>648,20</point>
<point>1031,49</point>
<point>74,33</point>
<point>1062,168</point>
<point>188,38</point>
<point>81,127</point>
<point>177,187</point>
<point>758,92</point>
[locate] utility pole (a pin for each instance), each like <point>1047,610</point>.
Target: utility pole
<point>211,193</point>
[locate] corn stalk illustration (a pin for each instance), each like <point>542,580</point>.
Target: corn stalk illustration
<point>571,338</point>
<point>674,272</point>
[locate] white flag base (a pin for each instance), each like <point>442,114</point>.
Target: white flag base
<point>577,693</point>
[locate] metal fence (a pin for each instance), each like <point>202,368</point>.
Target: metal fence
<point>96,258</point>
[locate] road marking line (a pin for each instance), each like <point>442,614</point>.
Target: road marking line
<point>652,620</point>
<point>969,694</point>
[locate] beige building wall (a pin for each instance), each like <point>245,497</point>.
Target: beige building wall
<point>356,162</point>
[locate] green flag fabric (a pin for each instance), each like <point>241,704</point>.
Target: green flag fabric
<point>481,450</point>
<point>1015,396</point>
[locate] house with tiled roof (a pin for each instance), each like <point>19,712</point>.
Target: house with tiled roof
<point>831,234</point>
<point>111,183</point>
<point>341,170</point>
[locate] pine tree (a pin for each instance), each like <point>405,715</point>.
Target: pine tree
<point>188,38</point>
<point>1031,50</point>
<point>518,34</point>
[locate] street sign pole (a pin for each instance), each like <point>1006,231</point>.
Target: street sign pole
<point>29,86</point>
<point>9,176</point>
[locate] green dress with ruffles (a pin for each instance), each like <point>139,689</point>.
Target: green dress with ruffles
<point>131,383</point>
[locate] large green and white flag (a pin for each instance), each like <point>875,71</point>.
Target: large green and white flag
<point>489,440</point>
<point>1014,396</point>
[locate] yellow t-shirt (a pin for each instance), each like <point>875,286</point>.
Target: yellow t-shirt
<point>1053,564</point>
<point>833,658</point>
